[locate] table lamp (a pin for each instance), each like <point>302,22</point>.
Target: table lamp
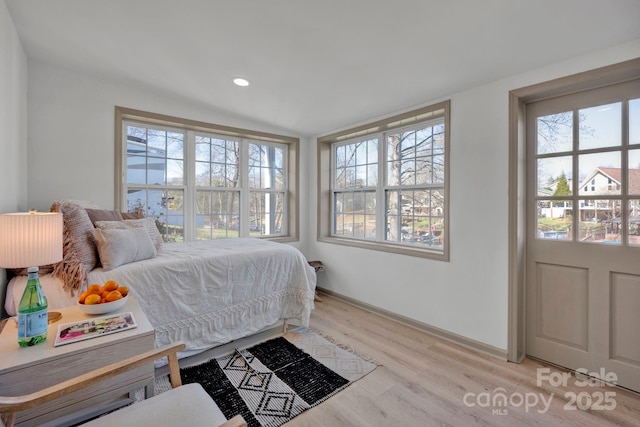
<point>31,240</point>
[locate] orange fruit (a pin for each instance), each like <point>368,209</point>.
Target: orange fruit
<point>123,290</point>
<point>113,296</point>
<point>93,289</point>
<point>83,296</point>
<point>110,285</point>
<point>93,299</point>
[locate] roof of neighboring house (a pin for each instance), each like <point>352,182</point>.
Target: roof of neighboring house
<point>634,181</point>
<point>616,175</point>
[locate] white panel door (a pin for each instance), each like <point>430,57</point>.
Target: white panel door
<point>583,231</point>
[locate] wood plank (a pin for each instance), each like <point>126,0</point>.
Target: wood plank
<point>423,380</point>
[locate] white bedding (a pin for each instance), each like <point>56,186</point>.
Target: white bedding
<point>207,293</point>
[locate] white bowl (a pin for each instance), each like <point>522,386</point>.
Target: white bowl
<point>104,308</point>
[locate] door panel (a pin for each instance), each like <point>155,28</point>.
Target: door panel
<point>563,295</point>
<point>625,318</point>
<point>583,231</point>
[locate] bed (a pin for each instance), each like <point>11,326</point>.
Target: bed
<point>205,293</point>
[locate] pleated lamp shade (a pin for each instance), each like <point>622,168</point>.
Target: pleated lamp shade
<point>30,239</point>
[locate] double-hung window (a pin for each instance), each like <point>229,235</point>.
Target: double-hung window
<point>202,181</point>
<point>384,185</point>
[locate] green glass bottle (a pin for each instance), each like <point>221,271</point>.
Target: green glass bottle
<point>32,312</point>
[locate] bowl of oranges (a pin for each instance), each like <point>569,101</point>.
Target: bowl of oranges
<point>102,299</point>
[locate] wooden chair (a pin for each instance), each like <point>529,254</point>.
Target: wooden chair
<point>187,405</point>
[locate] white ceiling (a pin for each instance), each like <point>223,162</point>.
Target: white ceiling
<point>316,66</point>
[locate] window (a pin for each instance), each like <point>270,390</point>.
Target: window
<point>202,181</point>
<point>589,155</point>
<point>355,182</point>
<point>384,185</point>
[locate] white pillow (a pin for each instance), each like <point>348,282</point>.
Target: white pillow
<point>117,247</point>
<point>148,223</point>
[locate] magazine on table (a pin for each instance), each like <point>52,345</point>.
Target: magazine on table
<point>92,328</point>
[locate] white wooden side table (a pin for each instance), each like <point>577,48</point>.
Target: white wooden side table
<point>28,369</point>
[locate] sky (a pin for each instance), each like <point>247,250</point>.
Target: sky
<point>600,127</point>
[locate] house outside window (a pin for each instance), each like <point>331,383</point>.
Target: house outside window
<point>202,181</point>
<point>598,148</point>
<point>384,185</point>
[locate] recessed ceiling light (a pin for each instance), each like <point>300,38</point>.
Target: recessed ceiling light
<point>241,82</point>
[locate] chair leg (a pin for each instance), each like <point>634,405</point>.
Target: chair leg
<point>174,370</point>
<point>8,418</point>
<point>236,421</point>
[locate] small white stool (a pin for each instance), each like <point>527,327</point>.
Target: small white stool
<point>187,405</point>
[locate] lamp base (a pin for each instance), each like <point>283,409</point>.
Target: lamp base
<point>54,316</point>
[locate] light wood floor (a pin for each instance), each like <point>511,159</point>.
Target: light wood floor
<point>423,381</point>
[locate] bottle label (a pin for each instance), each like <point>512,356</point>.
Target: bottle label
<point>32,324</point>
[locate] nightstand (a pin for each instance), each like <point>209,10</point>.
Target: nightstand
<point>28,369</point>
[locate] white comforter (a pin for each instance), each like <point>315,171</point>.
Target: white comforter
<point>207,293</point>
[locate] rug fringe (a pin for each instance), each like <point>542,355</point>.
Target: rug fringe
<point>348,348</point>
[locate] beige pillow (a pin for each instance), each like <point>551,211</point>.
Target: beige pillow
<point>123,246</point>
<point>147,223</point>
<point>79,229</point>
<point>132,215</point>
<point>87,204</point>
<point>104,215</point>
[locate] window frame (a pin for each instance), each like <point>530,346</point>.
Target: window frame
<point>381,127</point>
<point>291,202</point>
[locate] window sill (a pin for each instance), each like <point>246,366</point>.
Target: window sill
<point>388,247</point>
<point>281,239</point>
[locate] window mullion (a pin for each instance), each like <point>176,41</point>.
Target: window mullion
<point>285,199</point>
<point>244,188</point>
<point>624,169</point>
<point>189,205</point>
<point>381,201</point>
<point>576,172</point>
<point>121,201</point>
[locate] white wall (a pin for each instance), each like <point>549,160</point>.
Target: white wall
<point>13,117</point>
<point>468,295</point>
<point>13,125</point>
<point>71,133</point>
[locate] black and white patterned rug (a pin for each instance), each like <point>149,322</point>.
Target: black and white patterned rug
<point>272,382</point>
